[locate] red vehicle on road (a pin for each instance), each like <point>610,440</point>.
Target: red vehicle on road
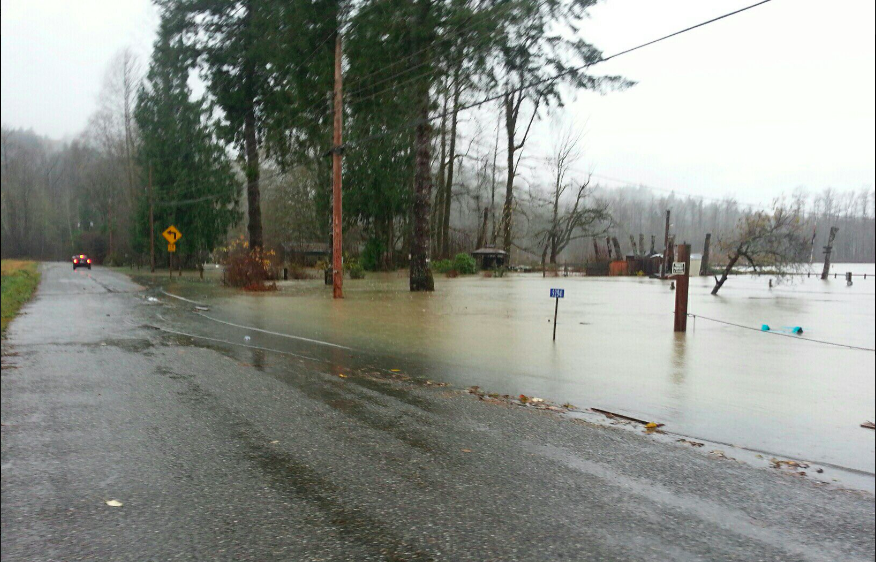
<point>81,261</point>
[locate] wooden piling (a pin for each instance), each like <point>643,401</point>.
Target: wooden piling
<point>682,284</point>
<point>664,270</point>
<point>827,251</point>
<point>619,255</point>
<point>704,265</point>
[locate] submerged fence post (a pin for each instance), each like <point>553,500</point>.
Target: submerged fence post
<point>681,273</point>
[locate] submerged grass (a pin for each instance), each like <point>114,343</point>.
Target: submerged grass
<point>19,281</point>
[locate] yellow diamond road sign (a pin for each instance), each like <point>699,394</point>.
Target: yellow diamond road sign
<point>172,235</point>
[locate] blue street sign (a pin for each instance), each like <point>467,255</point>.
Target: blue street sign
<point>557,293</point>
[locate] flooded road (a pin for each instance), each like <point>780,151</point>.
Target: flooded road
<point>123,439</point>
<point>615,348</point>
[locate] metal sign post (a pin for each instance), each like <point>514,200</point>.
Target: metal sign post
<point>172,235</point>
<point>557,294</point>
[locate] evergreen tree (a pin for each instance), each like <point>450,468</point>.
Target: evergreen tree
<point>194,187</point>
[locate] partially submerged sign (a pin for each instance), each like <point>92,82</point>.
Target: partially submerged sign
<point>678,268</point>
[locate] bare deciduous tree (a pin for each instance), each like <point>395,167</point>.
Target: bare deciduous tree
<point>775,240</point>
<point>571,217</point>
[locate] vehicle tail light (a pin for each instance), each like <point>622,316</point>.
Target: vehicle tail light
<point>81,255</point>
<point>89,261</point>
<point>75,261</point>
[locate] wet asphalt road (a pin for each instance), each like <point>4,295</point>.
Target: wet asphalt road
<point>223,452</point>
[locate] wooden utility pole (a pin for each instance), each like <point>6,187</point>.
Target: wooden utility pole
<point>151,225</point>
<point>664,272</point>
<point>337,240</point>
<point>704,265</point>
<point>827,251</point>
<point>682,282</point>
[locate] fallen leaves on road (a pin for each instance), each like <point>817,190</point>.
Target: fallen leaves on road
<point>868,425</point>
<point>691,443</point>
<point>776,463</point>
<point>114,503</point>
<point>466,450</point>
<point>342,375</point>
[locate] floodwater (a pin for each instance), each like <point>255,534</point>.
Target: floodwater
<point>615,348</point>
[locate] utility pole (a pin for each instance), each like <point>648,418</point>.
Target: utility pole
<point>151,224</point>
<point>337,241</point>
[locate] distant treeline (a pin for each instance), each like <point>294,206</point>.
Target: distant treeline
<point>638,210</point>
<point>59,198</point>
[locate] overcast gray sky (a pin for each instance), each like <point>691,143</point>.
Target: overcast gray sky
<point>752,106</point>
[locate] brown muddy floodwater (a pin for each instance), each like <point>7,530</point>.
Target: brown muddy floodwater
<point>616,350</point>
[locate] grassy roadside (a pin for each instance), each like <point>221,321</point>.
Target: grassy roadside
<point>19,281</point>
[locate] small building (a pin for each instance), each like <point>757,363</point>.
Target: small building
<point>648,265</point>
<point>306,253</point>
<point>490,258</point>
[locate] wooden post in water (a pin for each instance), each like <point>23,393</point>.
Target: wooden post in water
<point>682,283</point>
<point>663,270</point>
<point>704,265</point>
<point>827,250</point>
<point>617,249</point>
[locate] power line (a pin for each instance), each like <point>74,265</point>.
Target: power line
<point>567,72</point>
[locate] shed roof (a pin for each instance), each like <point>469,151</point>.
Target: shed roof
<point>489,252</point>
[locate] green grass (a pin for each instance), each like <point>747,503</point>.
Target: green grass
<point>19,281</point>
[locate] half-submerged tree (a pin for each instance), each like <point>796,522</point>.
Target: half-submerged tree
<point>776,240</point>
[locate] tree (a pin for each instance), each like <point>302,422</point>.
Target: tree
<point>231,41</point>
<point>534,46</point>
<point>777,240</point>
<point>570,216</point>
<point>194,186</point>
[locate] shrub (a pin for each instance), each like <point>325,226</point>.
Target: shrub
<point>249,268</point>
<point>354,268</point>
<point>465,264</point>
<point>442,266</point>
<point>372,253</point>
<point>451,273</point>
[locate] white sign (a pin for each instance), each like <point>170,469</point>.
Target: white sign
<point>678,268</point>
